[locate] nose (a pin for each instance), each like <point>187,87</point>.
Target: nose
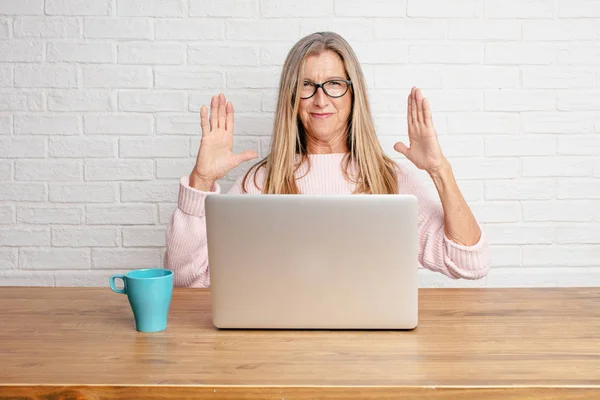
<point>320,98</point>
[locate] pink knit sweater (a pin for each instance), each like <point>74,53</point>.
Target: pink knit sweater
<point>187,257</point>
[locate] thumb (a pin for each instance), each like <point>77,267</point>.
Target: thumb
<point>244,156</point>
<point>401,148</point>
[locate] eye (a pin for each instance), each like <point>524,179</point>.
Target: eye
<point>307,84</point>
<point>336,83</point>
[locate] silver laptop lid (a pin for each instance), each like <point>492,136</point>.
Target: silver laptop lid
<point>313,261</point>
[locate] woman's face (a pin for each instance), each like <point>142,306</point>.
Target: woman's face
<point>325,118</point>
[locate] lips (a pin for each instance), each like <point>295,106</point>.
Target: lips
<point>320,115</point>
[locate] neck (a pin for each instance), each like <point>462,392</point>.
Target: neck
<point>336,145</point>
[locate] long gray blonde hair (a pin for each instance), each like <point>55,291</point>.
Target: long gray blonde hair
<point>376,173</point>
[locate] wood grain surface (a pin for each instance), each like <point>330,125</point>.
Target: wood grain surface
<point>80,343</point>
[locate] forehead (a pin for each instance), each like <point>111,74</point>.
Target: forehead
<point>324,65</point>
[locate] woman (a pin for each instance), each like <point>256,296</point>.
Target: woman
<point>324,142</point>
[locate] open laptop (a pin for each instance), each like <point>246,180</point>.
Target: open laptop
<point>313,261</point>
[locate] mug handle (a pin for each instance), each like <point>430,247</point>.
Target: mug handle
<point>114,288</point>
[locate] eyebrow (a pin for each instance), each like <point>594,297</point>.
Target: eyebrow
<point>327,79</point>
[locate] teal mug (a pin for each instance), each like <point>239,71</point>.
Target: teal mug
<point>149,292</point>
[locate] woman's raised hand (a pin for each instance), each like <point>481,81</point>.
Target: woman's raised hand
<point>424,151</point>
<point>215,156</point>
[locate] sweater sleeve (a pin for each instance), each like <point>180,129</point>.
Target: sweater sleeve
<point>186,244</point>
<point>436,251</point>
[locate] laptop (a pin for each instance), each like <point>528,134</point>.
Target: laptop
<point>313,261</point>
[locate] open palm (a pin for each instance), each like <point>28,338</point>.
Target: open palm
<point>215,157</point>
<point>424,151</point>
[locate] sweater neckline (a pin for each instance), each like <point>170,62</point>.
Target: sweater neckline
<point>318,156</point>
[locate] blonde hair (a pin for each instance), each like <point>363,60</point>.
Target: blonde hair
<point>376,173</point>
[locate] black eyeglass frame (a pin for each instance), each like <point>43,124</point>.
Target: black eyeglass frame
<point>322,86</point>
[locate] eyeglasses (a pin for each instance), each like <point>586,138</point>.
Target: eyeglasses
<point>333,88</point>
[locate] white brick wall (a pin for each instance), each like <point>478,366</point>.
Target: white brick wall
<point>99,105</point>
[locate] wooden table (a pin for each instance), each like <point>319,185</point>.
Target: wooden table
<point>470,344</point>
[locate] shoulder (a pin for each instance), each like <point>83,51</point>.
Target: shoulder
<point>404,172</point>
<point>411,180</point>
<point>250,182</point>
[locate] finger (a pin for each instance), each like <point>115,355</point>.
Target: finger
<point>401,148</point>
<point>427,113</point>
<point>419,100</point>
<point>414,106</point>
<point>229,119</point>
<point>213,113</point>
<point>409,109</point>
<point>222,116</point>
<point>244,156</point>
<point>204,120</point>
